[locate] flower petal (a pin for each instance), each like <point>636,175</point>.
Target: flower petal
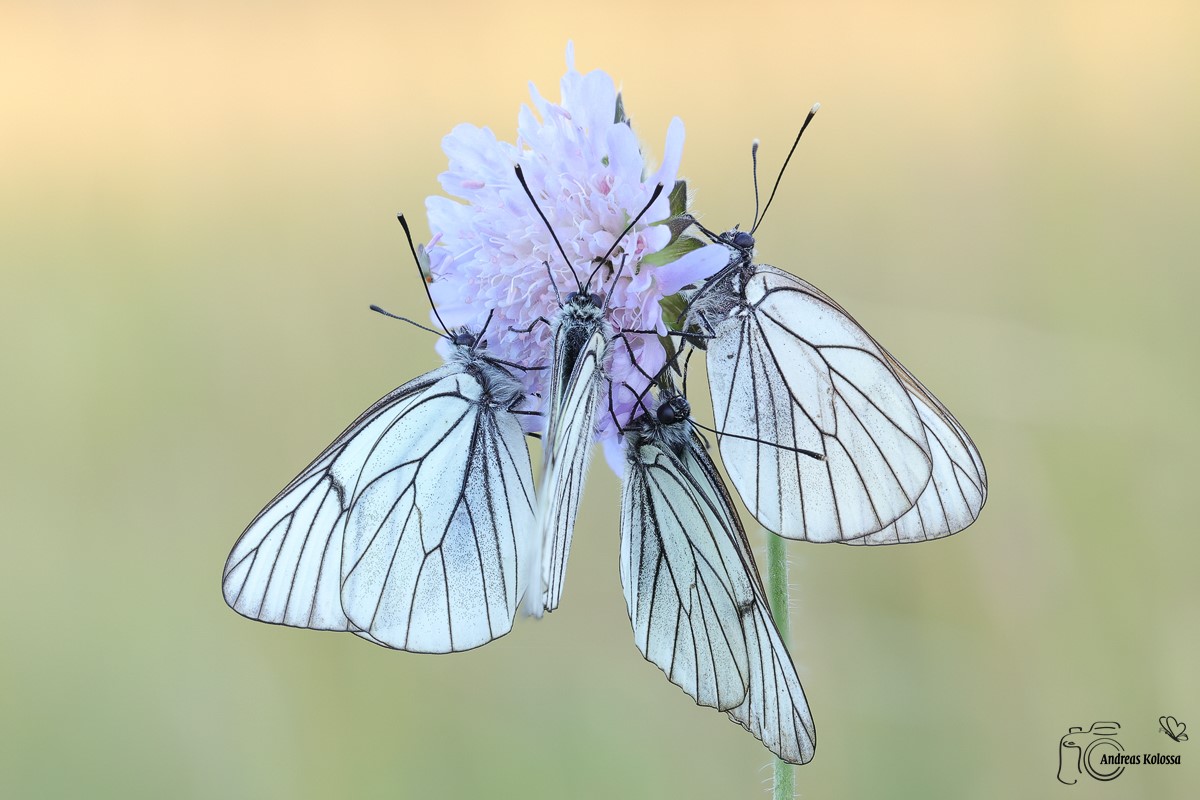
<point>691,267</point>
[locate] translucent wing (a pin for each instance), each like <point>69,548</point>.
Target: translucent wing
<point>440,517</point>
<point>290,566</point>
<point>698,609</point>
<point>958,488</point>
<point>570,433</point>
<point>286,567</point>
<point>790,367</point>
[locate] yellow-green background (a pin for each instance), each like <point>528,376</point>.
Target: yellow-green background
<point>196,208</point>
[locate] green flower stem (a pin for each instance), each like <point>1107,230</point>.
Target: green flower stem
<point>777,593</point>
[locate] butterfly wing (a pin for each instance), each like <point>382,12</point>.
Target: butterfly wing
<point>441,511</point>
<point>570,433</point>
<point>958,488</point>
<point>790,369</point>
<point>698,609</point>
<point>286,566</point>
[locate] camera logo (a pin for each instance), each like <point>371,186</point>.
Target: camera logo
<point>1095,751</point>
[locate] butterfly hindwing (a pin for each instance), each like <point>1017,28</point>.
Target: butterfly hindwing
<point>441,507</point>
<point>958,486</point>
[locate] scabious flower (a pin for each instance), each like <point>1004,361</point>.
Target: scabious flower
<point>493,254</point>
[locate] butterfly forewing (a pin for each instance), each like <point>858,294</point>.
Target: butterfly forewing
<point>576,380</point>
<point>686,603</point>
<point>698,609</point>
<point>441,507</point>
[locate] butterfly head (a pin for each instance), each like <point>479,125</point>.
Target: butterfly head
<point>464,338</point>
<point>673,410</point>
<point>741,242</point>
<point>740,239</point>
<point>584,300</point>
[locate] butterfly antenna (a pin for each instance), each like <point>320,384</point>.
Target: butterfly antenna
<point>379,310</point>
<point>721,434</point>
<point>413,249</point>
<point>811,113</point>
<point>657,191</point>
<point>553,235</point>
<point>754,174</point>
<point>486,322</point>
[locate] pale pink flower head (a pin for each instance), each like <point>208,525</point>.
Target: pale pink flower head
<point>492,253</point>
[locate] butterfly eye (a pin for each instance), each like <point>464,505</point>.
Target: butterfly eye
<point>594,299</point>
<point>464,339</point>
<point>674,410</point>
<point>743,240</point>
<point>572,296</point>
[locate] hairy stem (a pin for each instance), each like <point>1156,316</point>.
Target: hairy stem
<point>777,593</point>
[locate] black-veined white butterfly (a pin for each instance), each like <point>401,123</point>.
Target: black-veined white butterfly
<point>791,371</point>
<point>581,338</point>
<point>698,607</point>
<point>412,528</point>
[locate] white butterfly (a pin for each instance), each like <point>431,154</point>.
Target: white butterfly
<point>411,529</point>
<point>581,340</point>
<point>791,371</point>
<point>825,435</point>
<point>698,608</point>
<point>582,337</point>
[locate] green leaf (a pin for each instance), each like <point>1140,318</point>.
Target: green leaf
<point>679,198</point>
<point>680,247</point>
<point>668,345</point>
<point>620,115</point>
<point>673,308</point>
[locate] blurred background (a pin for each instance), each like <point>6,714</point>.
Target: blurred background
<point>197,205</point>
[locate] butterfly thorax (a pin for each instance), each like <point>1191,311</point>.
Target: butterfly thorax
<point>667,427</point>
<point>500,388</point>
<point>724,293</point>
<point>580,317</point>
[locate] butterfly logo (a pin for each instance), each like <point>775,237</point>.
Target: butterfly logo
<point>1173,728</point>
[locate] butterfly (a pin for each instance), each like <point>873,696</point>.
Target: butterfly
<point>823,432</point>
<point>412,527</point>
<point>698,608</point>
<point>581,339</point>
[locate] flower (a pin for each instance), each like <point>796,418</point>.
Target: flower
<point>493,254</point>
